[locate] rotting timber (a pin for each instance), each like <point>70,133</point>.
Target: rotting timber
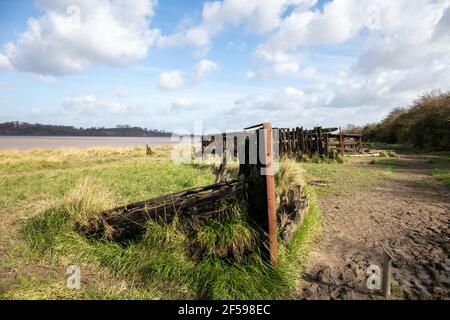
<point>192,207</point>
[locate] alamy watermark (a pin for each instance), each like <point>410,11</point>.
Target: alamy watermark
<point>212,146</point>
<point>373,282</point>
<point>74,277</point>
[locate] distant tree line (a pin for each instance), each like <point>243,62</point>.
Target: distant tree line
<point>424,124</point>
<point>27,129</point>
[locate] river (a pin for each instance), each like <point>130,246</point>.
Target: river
<point>53,142</point>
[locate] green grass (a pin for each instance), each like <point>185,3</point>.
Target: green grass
<point>440,167</point>
<point>389,146</point>
<point>42,205</point>
<point>338,179</point>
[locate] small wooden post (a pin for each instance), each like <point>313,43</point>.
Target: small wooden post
<point>387,265</point>
<point>202,147</point>
<point>341,141</point>
<point>148,150</point>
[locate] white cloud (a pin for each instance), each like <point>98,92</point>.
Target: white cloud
<point>202,69</point>
<point>394,42</point>
<point>417,45</point>
<point>343,97</point>
<point>287,99</point>
<point>443,25</point>
<point>173,80</point>
<point>91,104</point>
<point>73,34</point>
<point>256,16</point>
<point>250,75</point>
<point>4,62</point>
<point>48,80</point>
<point>282,63</point>
<point>181,103</point>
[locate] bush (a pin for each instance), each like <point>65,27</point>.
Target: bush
<point>425,124</point>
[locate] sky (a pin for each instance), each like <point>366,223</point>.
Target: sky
<point>224,65</point>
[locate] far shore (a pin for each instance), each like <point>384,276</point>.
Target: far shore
<point>55,142</point>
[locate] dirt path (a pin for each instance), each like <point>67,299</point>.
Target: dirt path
<point>411,213</point>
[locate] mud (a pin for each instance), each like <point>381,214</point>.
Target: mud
<point>410,213</point>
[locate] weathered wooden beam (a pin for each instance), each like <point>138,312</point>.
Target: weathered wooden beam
<point>191,206</point>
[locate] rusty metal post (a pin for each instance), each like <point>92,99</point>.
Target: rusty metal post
<point>271,201</point>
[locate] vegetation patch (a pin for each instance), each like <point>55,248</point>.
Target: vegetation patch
<point>217,260</point>
<point>423,125</point>
<point>440,167</point>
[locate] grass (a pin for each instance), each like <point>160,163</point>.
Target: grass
<point>389,146</point>
<point>338,179</point>
<point>440,167</point>
<point>47,193</point>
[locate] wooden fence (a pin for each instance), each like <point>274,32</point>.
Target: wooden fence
<point>298,142</point>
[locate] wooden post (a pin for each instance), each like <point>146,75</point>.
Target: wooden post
<point>341,141</point>
<point>319,138</point>
<point>281,139</point>
<point>270,188</point>
<point>148,150</point>
<point>386,276</point>
<point>302,133</point>
<point>260,188</point>
<point>288,140</point>
<point>387,265</point>
<point>202,147</point>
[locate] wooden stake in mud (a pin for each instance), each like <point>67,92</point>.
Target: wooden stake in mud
<point>387,264</point>
<point>148,150</point>
<point>270,186</point>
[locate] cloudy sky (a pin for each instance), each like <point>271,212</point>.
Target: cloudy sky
<point>232,63</point>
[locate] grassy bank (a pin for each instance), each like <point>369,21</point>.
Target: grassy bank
<point>440,167</point>
<point>47,192</point>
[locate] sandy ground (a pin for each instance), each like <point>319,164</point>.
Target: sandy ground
<point>411,214</point>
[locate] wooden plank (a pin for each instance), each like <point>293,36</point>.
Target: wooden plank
<point>192,206</point>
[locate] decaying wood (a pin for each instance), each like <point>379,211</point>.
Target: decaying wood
<point>298,142</point>
<point>291,212</point>
<point>192,207</point>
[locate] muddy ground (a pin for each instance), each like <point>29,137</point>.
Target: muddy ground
<point>410,213</point>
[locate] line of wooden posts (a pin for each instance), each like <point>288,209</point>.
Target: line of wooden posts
<point>325,142</point>
<point>299,142</point>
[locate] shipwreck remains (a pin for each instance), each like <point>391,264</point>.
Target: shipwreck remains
<point>255,185</point>
<point>192,207</point>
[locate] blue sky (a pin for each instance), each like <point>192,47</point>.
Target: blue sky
<point>170,64</point>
